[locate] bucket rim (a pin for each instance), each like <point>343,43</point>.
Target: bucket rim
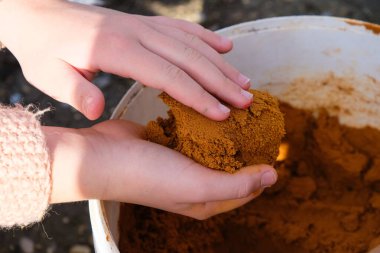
<point>300,21</point>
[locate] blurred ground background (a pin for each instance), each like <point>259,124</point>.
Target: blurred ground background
<point>67,227</point>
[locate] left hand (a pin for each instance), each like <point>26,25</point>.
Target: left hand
<point>112,161</point>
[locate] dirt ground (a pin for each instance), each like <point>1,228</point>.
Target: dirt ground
<point>67,227</point>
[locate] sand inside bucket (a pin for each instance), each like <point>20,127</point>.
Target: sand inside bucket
<point>328,195</point>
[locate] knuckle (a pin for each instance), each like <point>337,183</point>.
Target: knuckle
<point>173,73</point>
<point>191,54</point>
<point>202,101</point>
<point>244,190</point>
<point>226,81</point>
<point>225,90</point>
<point>192,39</point>
<point>247,187</point>
<point>229,85</point>
<point>227,66</point>
<point>228,69</point>
<point>203,95</point>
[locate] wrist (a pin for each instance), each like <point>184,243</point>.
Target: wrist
<point>70,152</point>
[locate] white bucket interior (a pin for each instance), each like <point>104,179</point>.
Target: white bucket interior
<point>272,51</point>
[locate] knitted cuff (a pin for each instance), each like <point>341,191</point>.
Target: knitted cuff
<point>25,176</point>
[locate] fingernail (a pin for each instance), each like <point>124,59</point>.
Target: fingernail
<point>268,179</point>
<point>243,80</point>
<point>224,109</point>
<point>248,95</point>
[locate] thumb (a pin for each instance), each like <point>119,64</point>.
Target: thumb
<point>226,192</point>
<point>64,83</point>
<point>251,179</point>
<point>219,186</point>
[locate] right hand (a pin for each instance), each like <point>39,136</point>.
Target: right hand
<point>61,45</point>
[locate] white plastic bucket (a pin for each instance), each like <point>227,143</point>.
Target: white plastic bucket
<point>276,51</point>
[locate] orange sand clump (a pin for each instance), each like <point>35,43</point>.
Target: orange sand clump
<point>247,137</point>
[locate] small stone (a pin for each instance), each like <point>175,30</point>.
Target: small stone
<point>26,245</point>
<point>80,249</point>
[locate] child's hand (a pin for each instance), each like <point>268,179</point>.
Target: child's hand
<point>61,45</point>
<point>111,161</point>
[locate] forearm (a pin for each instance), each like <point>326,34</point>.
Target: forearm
<point>16,16</point>
<point>12,16</point>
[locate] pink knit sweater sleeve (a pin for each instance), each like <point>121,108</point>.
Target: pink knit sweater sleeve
<point>25,173</point>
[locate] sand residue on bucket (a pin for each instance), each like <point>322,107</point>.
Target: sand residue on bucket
<point>354,101</point>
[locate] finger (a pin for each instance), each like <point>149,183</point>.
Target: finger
<point>220,43</point>
<point>205,49</point>
<point>218,186</point>
<point>204,211</point>
<point>154,71</point>
<point>64,83</point>
<point>198,67</point>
